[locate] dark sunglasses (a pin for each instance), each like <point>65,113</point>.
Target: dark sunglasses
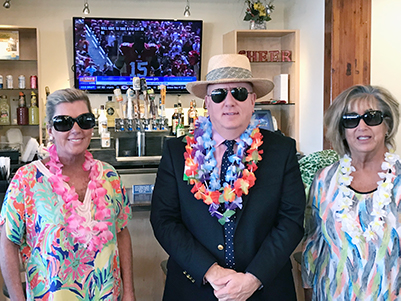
<point>64,123</point>
<point>371,118</point>
<point>240,94</point>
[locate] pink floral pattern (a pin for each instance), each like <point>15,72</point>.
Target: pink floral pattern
<point>57,266</point>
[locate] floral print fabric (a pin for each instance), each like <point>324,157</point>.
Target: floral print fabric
<point>334,266</point>
<point>56,268</point>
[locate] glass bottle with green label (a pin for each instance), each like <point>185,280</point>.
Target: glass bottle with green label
<point>4,111</point>
<point>34,110</point>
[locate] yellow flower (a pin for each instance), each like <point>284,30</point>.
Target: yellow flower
<point>261,8</point>
<point>257,10</point>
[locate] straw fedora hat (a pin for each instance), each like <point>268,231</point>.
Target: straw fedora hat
<point>230,68</point>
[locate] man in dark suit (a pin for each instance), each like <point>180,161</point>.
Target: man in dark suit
<point>228,201</point>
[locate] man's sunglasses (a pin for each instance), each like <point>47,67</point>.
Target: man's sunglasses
<point>371,118</point>
<point>240,94</point>
<point>64,123</point>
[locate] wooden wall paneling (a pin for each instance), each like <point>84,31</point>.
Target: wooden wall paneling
<point>347,47</point>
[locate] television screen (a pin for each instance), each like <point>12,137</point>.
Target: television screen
<point>108,53</point>
<point>265,119</point>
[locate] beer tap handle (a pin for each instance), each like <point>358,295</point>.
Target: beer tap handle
<point>146,104</point>
<point>144,90</point>
<point>162,100</point>
<point>137,88</point>
<point>130,97</point>
<point>119,99</point>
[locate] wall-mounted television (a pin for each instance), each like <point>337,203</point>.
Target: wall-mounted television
<point>109,52</point>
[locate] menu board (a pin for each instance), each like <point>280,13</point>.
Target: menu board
<point>9,45</point>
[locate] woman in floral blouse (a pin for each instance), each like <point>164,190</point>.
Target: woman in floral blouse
<point>352,239</point>
<point>66,216</point>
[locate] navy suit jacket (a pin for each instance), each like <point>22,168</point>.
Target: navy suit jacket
<point>268,228</point>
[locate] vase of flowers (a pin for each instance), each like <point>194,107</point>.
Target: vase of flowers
<point>258,13</point>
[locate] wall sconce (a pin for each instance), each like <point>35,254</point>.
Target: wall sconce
<point>6,4</point>
<point>86,9</point>
<point>187,13</point>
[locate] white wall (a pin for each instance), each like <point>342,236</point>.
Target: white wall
<point>308,17</point>
<point>54,20</point>
<point>386,45</point>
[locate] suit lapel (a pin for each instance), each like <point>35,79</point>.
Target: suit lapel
<point>246,198</point>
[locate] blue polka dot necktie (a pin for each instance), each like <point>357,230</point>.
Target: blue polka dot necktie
<point>228,226</point>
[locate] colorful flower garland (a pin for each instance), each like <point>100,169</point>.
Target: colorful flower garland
<point>202,172</point>
<point>381,198</point>
<point>93,234</point>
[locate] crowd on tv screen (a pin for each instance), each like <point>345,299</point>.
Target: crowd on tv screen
<point>137,48</point>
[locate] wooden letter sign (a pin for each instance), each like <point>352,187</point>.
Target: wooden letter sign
<point>267,56</point>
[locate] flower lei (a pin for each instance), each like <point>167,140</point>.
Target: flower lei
<point>202,172</point>
<point>93,234</point>
<point>381,198</point>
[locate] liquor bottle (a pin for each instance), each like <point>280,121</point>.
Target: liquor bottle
<point>95,112</point>
<point>105,139</point>
<point>195,110</point>
<point>34,110</point>
<point>4,111</point>
<point>111,111</point>
<point>47,90</point>
<point>174,120</point>
<point>179,106</point>
<point>102,121</point>
<point>180,114</point>
<point>22,110</point>
<point>180,129</point>
<point>192,114</point>
<point>205,113</point>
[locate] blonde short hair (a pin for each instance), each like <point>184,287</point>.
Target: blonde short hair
<point>69,95</point>
<point>343,103</point>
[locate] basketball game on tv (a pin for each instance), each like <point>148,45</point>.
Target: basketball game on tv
<point>109,53</point>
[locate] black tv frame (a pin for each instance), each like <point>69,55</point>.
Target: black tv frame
<point>179,90</point>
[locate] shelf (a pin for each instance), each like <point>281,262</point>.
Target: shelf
<point>17,125</point>
<point>27,64</point>
<point>248,33</point>
<point>28,42</point>
<point>266,41</point>
<point>16,89</point>
<point>272,62</point>
<point>19,60</point>
<point>257,104</point>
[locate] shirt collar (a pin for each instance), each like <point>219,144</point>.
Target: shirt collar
<point>219,139</point>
